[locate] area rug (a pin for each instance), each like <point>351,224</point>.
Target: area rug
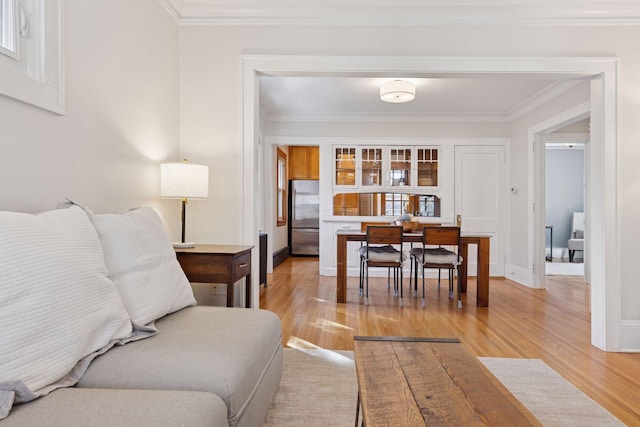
<point>564,268</point>
<point>319,388</point>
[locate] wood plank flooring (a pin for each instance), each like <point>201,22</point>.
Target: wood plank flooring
<point>551,324</point>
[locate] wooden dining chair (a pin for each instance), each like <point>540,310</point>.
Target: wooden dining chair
<point>363,227</point>
<point>433,254</point>
<point>379,252</point>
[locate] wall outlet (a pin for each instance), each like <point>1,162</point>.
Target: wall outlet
<point>217,289</point>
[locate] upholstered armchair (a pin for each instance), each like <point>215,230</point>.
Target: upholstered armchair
<point>576,242</point>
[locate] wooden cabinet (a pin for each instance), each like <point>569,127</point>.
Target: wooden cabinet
<point>304,162</point>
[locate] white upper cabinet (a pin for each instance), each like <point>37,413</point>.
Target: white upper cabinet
<point>345,167</point>
<point>427,167</point>
<point>372,170</point>
<point>386,167</point>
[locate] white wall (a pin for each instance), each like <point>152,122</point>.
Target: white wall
<point>211,97</point>
<point>521,214</point>
<point>121,116</point>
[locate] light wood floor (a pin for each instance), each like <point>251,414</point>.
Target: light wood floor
<point>551,324</point>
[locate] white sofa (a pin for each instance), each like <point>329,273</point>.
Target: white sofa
<point>100,328</point>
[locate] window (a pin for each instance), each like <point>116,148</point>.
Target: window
<point>395,204</point>
<point>281,184</point>
<point>8,28</point>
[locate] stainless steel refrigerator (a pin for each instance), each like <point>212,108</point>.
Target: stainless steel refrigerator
<point>304,217</point>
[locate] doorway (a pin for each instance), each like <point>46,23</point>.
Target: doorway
<point>565,191</point>
<point>602,223</point>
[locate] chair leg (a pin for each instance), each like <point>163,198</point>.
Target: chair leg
<point>571,255</point>
<point>423,300</point>
<point>451,283</point>
<point>400,285</point>
<point>459,290</point>
<point>360,290</point>
<point>366,281</point>
<point>439,279</point>
<point>395,281</point>
<point>388,278</point>
<point>410,273</point>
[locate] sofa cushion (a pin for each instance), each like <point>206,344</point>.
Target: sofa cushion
<point>57,304</point>
<point>71,407</point>
<point>143,264</point>
<point>225,351</point>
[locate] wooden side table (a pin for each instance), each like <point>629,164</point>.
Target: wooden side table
<point>218,264</point>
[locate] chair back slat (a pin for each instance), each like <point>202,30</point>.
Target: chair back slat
<point>384,234</point>
<point>441,236</point>
<point>426,224</point>
<point>364,225</point>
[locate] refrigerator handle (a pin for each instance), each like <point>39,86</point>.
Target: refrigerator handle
<point>293,203</point>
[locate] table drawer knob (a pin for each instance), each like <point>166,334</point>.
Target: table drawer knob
<point>243,265</point>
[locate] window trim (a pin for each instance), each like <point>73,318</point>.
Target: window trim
<point>12,31</point>
<point>281,188</point>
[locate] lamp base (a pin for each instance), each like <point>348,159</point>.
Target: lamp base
<point>183,245</point>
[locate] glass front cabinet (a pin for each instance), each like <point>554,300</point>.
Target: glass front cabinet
<point>386,167</point>
<point>371,167</point>
<point>345,167</point>
<point>427,167</point>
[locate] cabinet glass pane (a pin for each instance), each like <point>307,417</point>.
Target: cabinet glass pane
<point>345,166</point>
<point>371,161</point>
<point>400,167</point>
<point>427,164</point>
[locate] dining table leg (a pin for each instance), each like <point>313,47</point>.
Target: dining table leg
<point>341,269</point>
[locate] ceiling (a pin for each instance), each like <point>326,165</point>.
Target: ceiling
<point>490,98</point>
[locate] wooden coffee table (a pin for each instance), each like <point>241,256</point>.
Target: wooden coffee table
<point>430,382</point>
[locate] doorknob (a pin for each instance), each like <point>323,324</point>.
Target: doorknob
<point>459,220</point>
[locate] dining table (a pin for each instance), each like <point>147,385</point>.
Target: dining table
<point>482,261</point>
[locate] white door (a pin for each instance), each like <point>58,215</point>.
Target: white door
<point>480,200</point>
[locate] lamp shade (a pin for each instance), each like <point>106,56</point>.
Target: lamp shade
<point>398,91</point>
<point>184,181</point>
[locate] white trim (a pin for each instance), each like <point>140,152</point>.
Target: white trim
<point>541,98</point>
<point>606,328</point>
<point>519,274</point>
<point>388,117</point>
<point>406,12</point>
<point>536,181</point>
<point>27,80</point>
<point>630,335</point>
<point>171,9</point>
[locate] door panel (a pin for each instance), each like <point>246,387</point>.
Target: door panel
<point>481,201</point>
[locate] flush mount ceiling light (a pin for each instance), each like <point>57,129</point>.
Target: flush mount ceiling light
<point>398,91</point>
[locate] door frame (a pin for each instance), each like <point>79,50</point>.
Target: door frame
<point>604,223</point>
<point>537,195</point>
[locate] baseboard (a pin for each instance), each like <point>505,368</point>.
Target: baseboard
<point>520,275</point>
<point>630,336</point>
<point>280,256</point>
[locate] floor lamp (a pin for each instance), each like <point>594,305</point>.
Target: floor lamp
<point>184,181</point>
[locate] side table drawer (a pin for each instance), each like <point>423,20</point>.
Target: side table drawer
<point>242,266</point>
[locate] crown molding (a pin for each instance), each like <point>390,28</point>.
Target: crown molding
<point>405,12</point>
<point>387,118</point>
<point>542,97</point>
<point>170,7</point>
